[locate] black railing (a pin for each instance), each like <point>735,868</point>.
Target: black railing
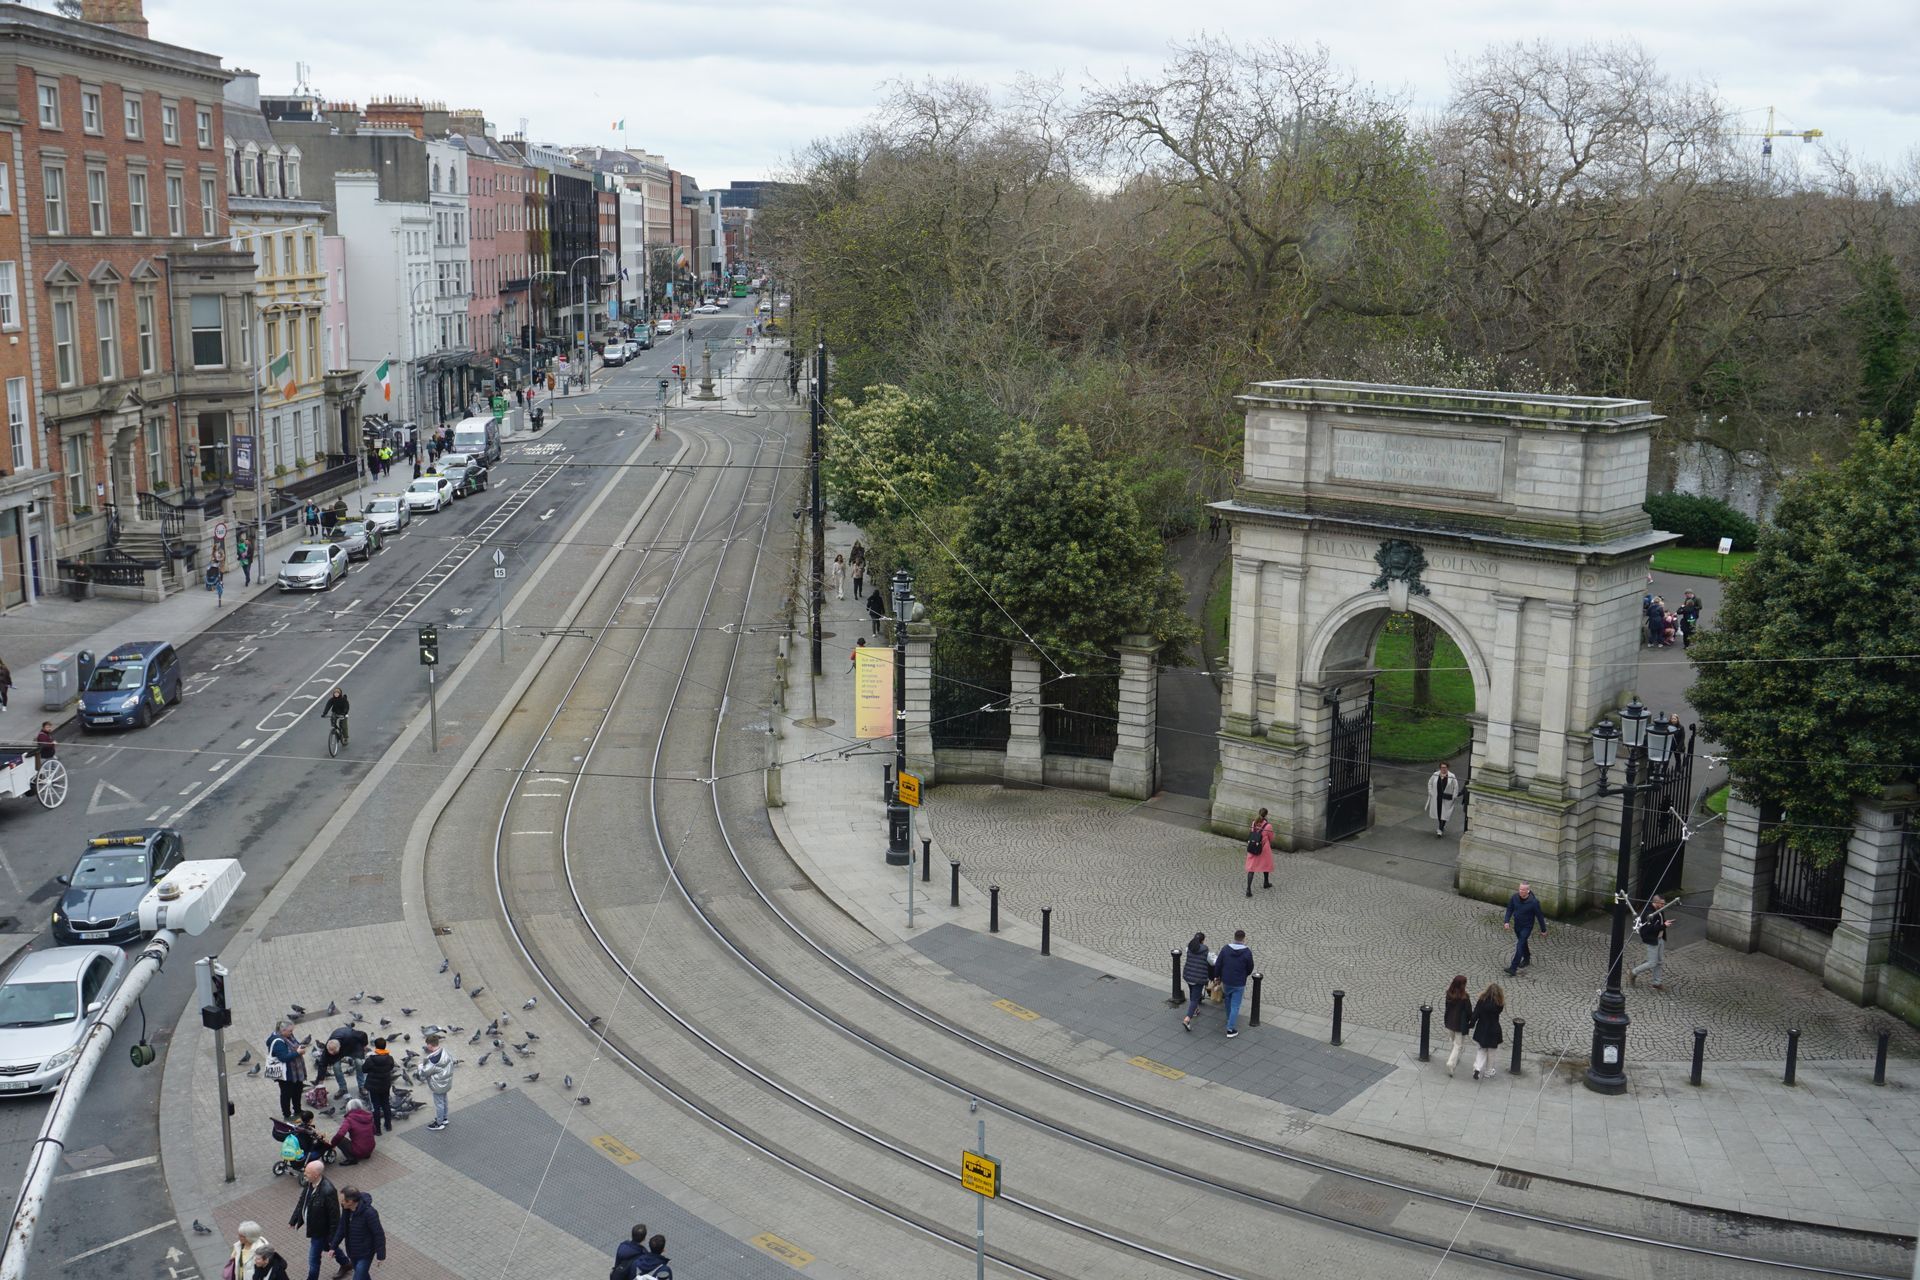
<point>171,515</point>
<point>1904,948</point>
<point>337,474</point>
<point>1079,713</point>
<point>963,684</point>
<point>1805,893</point>
<point>113,523</point>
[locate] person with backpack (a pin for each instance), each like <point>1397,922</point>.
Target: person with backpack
<point>628,1253</point>
<point>1196,972</point>
<point>1260,852</point>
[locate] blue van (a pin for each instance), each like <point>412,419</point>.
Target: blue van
<point>131,685</point>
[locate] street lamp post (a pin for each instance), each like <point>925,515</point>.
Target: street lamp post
<point>1607,1069</point>
<point>899,816</point>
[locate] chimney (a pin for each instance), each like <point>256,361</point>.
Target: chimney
<point>121,15</point>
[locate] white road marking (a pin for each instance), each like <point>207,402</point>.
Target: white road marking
<point>216,766</point>
<point>115,1244</point>
<point>99,803</point>
<point>531,833</point>
<point>155,816</point>
<point>121,1167</point>
<point>549,514</point>
<point>18,890</point>
<point>244,745</point>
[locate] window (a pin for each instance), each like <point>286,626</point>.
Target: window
<point>97,201</point>
<point>79,492</point>
<point>203,127</point>
<point>106,324</point>
<point>293,173</point>
<point>49,106</point>
<point>286,254</point>
<point>17,425</point>
<point>134,123</point>
<point>314,352</point>
<point>6,189</point>
<point>209,205</point>
<point>157,454</point>
<point>209,338</point>
<point>9,295</point>
<point>137,202</point>
<point>53,181</point>
<point>66,363</point>
<point>90,110</point>
<point>146,331</point>
<point>176,205</point>
<point>169,122</point>
<point>307,263</point>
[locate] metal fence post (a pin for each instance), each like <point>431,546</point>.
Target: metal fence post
<point>953,887</point>
<point>993,908</point>
<point>1880,1057</point>
<point>1339,998</point>
<point>1046,931</point>
<point>1793,1053</point>
<point>926,859</point>
<point>1253,1019</point>
<point>1699,1053</point>
<point>1173,961</point>
<point>1426,1031</point>
<point>1519,1039</point>
<point>886,784</point>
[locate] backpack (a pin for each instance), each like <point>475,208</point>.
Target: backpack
<point>1254,842</point>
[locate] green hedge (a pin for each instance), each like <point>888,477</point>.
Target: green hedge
<point>1701,522</point>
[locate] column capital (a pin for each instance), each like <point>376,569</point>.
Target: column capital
<point>1247,564</point>
<point>1508,603</point>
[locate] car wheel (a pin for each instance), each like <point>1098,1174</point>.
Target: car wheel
<point>146,712</point>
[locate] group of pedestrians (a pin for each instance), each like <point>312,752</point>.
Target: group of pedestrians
<point>1465,1016</point>
<point>1220,978</point>
<point>641,1257</point>
<point>1665,626</point>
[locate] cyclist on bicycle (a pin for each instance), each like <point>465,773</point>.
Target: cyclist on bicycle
<point>336,711</point>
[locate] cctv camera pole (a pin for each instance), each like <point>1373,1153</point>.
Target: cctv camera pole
<point>899,816</point>
<point>210,983</point>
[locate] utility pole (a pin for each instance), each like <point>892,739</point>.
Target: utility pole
<point>899,816</point>
<point>817,416</point>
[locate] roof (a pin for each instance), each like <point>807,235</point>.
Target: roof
<point>245,125</point>
<point>55,962</point>
<point>128,648</point>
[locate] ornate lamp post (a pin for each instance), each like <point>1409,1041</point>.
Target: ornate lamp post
<point>1606,1072</point>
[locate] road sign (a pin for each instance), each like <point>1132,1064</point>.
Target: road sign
<point>429,646</point>
<point>499,572</point>
<point>220,532</point>
<point>499,556</point>
<point>980,1174</point>
<point>908,789</point>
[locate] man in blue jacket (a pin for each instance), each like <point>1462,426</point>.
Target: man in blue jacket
<point>360,1232</point>
<point>1523,916</point>
<point>1236,966</point>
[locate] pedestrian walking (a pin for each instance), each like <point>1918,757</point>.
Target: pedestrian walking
<point>1524,915</point>
<point>1213,526</point>
<point>267,1263</point>
<point>360,1232</point>
<point>1443,788</point>
<point>377,1073</point>
<point>354,1139</point>
<point>243,552</point>
<point>853,658</point>
<point>345,1047</point>
<point>1652,927</point>
<point>1260,852</point>
<point>219,577</point>
<point>653,1264</point>
<point>1457,1017</point>
<point>1487,1035</point>
<point>1689,619</point>
<point>318,1212</point>
<point>628,1253</point>
<point>837,575</point>
<point>1197,972</point>
<point>1236,966</point>
<point>240,1255</point>
<point>876,609</point>
<point>1656,622</point>
<point>287,1068</point>
<point>857,566</point>
<point>313,518</point>
<point>437,1070</point>
<point>6,683</point>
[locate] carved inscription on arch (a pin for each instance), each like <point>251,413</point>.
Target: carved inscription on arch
<point>1418,461</point>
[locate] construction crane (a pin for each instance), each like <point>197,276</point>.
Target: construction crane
<point>1770,133</point>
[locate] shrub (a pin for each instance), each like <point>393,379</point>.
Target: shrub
<point>1701,522</point>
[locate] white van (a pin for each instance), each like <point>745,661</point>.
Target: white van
<point>480,437</point>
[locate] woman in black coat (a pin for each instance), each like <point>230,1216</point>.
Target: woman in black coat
<point>1195,973</point>
<point>267,1264</point>
<point>1457,1017</point>
<point>1486,1027</point>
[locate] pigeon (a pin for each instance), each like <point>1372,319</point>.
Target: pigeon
<point>329,1111</point>
<point>485,1056</point>
<point>566,1082</point>
<point>531,1077</point>
<point>456,979</point>
<point>504,1019</point>
<point>357,997</point>
<point>333,1010</point>
<point>201,1230</point>
<point>493,1028</point>
<point>500,1084</point>
<point>255,1071</point>
<point>378,999</point>
<point>405,1012</point>
<point>443,965</point>
<point>522,1048</point>
<point>475,993</point>
<point>386,1022</point>
<point>496,1042</point>
<point>474,1038</point>
<point>454,1031</point>
<point>583,1101</point>
<point>245,1058</point>
<point>594,1021</point>
<point>531,1001</point>
<point>299,1010</point>
<point>356,1015</point>
<point>505,1060</point>
<point>306,1041</point>
<point>532,1036</point>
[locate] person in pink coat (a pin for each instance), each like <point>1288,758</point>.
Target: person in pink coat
<point>355,1140</point>
<point>1260,852</point>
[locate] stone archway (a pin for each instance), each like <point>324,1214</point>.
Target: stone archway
<point>1515,524</point>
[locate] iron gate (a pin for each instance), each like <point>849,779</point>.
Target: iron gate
<point>1663,824</point>
<point>1350,766</point>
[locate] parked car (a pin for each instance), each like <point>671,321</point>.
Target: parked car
<point>429,493</point>
<point>614,353</point>
<point>468,474</point>
<point>103,891</point>
<point>664,328</point>
<point>359,538</point>
<point>47,1003</point>
<point>131,685</point>
<point>388,512</point>
<point>313,566</point>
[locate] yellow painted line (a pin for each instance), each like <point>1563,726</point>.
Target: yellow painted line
<point>614,1149</point>
<point>1018,1011</point>
<point>785,1250</point>
<point>1158,1068</point>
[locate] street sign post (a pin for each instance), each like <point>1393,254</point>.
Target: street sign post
<point>909,789</point>
<point>980,1174</point>
<point>499,598</point>
<point>430,659</point>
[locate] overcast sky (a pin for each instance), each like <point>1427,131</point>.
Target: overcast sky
<point>729,89</point>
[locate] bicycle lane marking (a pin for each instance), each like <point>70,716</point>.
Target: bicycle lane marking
<point>289,711</point>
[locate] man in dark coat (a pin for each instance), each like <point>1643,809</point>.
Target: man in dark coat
<point>629,1252</point>
<point>318,1209</point>
<point>360,1232</point>
<point>377,1072</point>
<point>1523,917</point>
<point>346,1045</point>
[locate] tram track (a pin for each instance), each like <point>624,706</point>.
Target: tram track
<point>578,986</point>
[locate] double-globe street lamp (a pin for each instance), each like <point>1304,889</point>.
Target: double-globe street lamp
<point>1606,1072</point>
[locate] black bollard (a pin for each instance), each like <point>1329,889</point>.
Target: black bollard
<point>1880,1057</point>
<point>1793,1053</point>
<point>993,908</point>
<point>1519,1038</point>
<point>1426,1031</point>
<point>1046,931</point>
<point>886,784</point>
<point>1253,1018</point>
<point>926,859</point>
<point>953,887</point>
<point>1339,998</point>
<point>1179,992</point>
<point>1699,1053</point>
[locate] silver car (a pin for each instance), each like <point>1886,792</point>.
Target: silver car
<point>46,1005</point>
<point>313,566</point>
<point>388,512</point>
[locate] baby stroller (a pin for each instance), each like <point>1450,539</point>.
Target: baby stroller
<point>294,1152</point>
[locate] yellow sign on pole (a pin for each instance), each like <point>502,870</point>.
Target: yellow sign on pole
<point>872,693</point>
<point>908,789</point>
<point>980,1174</point>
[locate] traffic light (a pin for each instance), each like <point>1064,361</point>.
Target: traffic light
<point>429,646</point>
<point>210,988</point>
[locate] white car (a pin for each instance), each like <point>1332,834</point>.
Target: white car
<point>429,493</point>
<point>663,328</point>
<point>313,566</point>
<point>46,1005</point>
<point>389,512</point>
<point>706,309</point>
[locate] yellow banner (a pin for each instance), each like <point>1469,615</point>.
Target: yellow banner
<point>873,692</point>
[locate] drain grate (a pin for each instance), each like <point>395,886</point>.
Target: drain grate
<point>1515,1181</point>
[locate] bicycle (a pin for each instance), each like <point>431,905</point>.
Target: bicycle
<point>336,734</point>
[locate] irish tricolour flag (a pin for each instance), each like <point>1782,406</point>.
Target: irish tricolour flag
<point>384,376</point>
<point>281,371</point>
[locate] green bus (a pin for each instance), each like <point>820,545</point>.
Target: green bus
<point>739,287</point>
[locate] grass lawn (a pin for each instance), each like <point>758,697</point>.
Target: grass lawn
<point>1407,736</point>
<point>1717,802</point>
<point>1699,562</point>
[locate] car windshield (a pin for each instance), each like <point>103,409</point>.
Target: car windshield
<point>383,504</point>
<point>109,678</point>
<point>308,555</point>
<point>38,1004</point>
<point>351,529</point>
<point>110,870</point>
<point>455,460</point>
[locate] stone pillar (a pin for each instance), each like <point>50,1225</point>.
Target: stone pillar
<point>1025,746</point>
<point>920,701</point>
<point>1858,953</point>
<point>1496,766</point>
<point>1243,648</point>
<point>1283,621</point>
<point>1556,697</point>
<point>1746,879</point>
<point>1136,770</point>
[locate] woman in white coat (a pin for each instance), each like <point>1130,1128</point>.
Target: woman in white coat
<point>1443,788</point>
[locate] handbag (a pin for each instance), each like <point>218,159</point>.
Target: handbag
<point>1216,991</point>
<point>226,1272</point>
<point>276,1070</point>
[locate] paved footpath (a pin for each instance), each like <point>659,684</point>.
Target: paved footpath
<point>1127,885</point>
